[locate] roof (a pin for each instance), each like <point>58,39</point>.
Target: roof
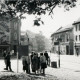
<point>77,21</point>
<point>63,29</point>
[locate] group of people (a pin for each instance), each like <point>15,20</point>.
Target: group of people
<point>7,60</point>
<point>38,62</point>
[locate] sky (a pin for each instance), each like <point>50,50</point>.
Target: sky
<point>61,18</point>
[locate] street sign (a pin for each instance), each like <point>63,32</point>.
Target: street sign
<point>56,43</point>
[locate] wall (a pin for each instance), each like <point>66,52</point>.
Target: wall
<point>76,42</point>
<point>15,31</point>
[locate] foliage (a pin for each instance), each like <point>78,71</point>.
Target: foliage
<point>31,6</point>
<point>40,42</point>
<point>37,21</point>
<point>16,8</point>
<point>37,42</point>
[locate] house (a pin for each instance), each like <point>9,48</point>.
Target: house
<point>70,36</point>
<point>63,37</point>
<point>76,34</point>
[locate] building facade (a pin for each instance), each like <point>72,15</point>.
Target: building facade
<point>9,33</point>
<point>15,31</point>
<point>70,36</point>
<point>76,32</point>
<point>66,42</point>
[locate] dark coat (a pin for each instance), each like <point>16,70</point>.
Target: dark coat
<point>46,55</point>
<point>35,65</point>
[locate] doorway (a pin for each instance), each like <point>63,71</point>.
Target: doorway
<point>67,50</point>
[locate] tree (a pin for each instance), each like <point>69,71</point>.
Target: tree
<point>38,7</point>
<point>40,42</point>
<point>16,8</point>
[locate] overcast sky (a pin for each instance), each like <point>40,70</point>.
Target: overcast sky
<point>60,18</point>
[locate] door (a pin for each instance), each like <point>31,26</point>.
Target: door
<point>67,50</point>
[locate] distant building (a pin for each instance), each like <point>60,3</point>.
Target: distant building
<point>70,36</point>
<point>76,34</point>
<point>28,38</point>
<point>9,33</point>
<point>15,31</point>
<point>66,42</point>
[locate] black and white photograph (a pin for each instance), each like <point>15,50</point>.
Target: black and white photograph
<point>39,40</point>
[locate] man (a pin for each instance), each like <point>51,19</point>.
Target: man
<point>31,57</point>
<point>8,62</point>
<point>26,63</point>
<point>4,55</point>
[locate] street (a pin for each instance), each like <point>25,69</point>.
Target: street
<point>69,67</point>
<point>67,61</point>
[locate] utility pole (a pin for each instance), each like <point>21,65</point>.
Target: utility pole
<point>17,62</point>
<point>59,54</point>
<point>59,40</point>
<point>28,42</point>
<point>28,46</point>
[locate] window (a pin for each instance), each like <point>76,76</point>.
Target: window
<point>79,27</point>
<point>76,27</point>
<point>15,36</point>
<point>15,26</point>
<point>67,38</point>
<point>76,38</point>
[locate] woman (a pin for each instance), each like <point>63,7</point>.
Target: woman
<point>35,62</point>
<point>43,62</point>
<point>24,63</point>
